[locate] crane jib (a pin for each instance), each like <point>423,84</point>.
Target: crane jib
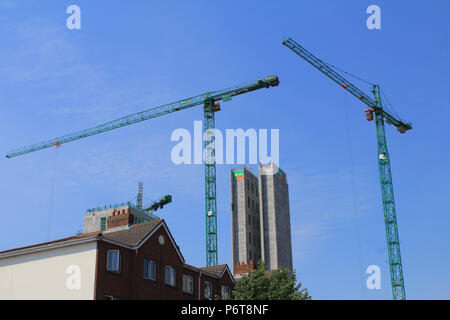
<point>345,84</point>
<point>225,94</point>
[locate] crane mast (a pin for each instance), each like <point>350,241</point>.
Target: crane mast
<point>209,100</point>
<point>387,196</point>
<point>140,195</point>
<point>384,166</point>
<point>209,124</point>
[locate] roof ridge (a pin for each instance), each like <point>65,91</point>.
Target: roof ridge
<point>77,236</point>
<point>215,266</point>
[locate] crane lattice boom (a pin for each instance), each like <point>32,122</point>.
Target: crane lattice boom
<point>226,94</point>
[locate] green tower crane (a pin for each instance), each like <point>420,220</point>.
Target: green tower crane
<point>156,204</point>
<point>209,100</point>
<point>387,191</point>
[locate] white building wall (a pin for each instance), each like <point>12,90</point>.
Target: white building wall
<point>50,274</point>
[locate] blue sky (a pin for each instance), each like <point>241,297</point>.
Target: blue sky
<point>128,57</point>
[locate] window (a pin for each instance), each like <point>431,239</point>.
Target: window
<point>109,297</point>
<point>170,276</point>
<point>103,223</point>
<point>113,261</point>
<point>149,269</point>
<point>137,220</point>
<point>249,220</point>
<point>248,200</point>
<point>188,284</point>
<point>208,290</point>
<point>225,292</point>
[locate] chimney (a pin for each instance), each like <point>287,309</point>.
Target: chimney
<point>119,219</point>
<point>244,267</point>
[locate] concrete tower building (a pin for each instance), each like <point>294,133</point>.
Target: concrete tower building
<point>276,247</point>
<point>260,214</point>
<point>245,217</point>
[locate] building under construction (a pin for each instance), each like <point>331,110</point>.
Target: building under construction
<point>260,226</point>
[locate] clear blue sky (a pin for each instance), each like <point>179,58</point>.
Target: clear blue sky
<point>128,57</point>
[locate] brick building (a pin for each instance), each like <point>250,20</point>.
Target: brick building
<point>137,261</point>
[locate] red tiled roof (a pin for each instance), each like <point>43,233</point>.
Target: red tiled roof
<point>133,235</point>
<point>216,270</point>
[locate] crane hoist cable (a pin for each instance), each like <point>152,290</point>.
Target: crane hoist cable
<point>354,198</point>
<point>348,73</point>
<point>52,195</point>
